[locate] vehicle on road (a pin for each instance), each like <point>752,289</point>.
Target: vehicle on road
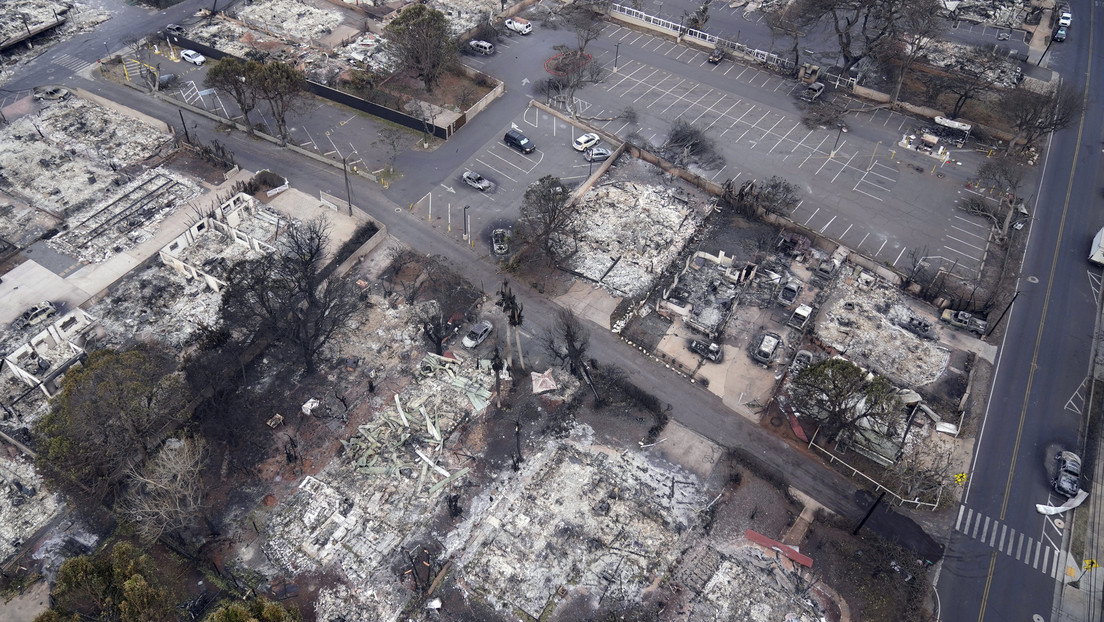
<point>965,321</point>
<point>1067,481</point>
<point>500,241</point>
<point>711,351</point>
<point>477,181</point>
<point>766,347</point>
<point>517,140</point>
<point>586,141</point>
<point>597,154</point>
<point>1060,34</point>
<point>175,29</point>
<point>813,91</point>
<point>477,334</point>
<point>193,57</point>
<point>716,56</point>
<point>519,25</point>
<point>481,47</point>
<point>1096,254</point>
<point>1065,20</point>
<point>36,314</point>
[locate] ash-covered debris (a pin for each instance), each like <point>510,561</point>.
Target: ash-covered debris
<point>298,19</point>
<point>25,506</point>
<point>955,57</point>
<point>234,38</point>
<point>704,292</point>
<point>19,16</point>
<point>578,517</point>
<point>864,323</point>
<point>71,155</point>
<point>749,585</point>
<point>155,304</point>
<point>624,234</point>
<point>1004,13</point>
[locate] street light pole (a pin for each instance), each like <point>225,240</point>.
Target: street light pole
<point>348,188</point>
<point>616,54</point>
<point>467,226</point>
<point>838,135</point>
<point>106,49</point>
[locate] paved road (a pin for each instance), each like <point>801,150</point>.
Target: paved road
<point>1005,561</point>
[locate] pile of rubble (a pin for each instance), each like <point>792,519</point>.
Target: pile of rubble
<point>68,157</point>
<point>1001,13</point>
<point>299,19</point>
<point>955,57</point>
<point>869,322</point>
<point>155,304</point>
<point>625,234</point>
<point>25,506</point>
<point>19,16</point>
<point>750,585</point>
<point>353,516</point>
<point>234,38</point>
<point>577,518</point>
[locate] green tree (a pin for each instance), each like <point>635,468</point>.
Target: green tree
<point>112,414</point>
<point>260,610</point>
<point>280,85</point>
<point>120,584</point>
<point>841,395</point>
<point>239,79</point>
<point>420,40</point>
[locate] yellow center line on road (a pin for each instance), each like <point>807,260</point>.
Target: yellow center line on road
<point>988,584</point>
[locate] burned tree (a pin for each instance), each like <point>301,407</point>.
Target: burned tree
<point>697,19</point>
<point>514,317</point>
<point>784,20</point>
<point>573,67</point>
<point>688,144</point>
<point>419,39</point>
<point>921,24</point>
<point>1006,176</point>
<point>289,297</point>
<point>841,395</point>
<point>775,196</point>
<point>1034,115</point>
<point>978,74</point>
<point>112,414</point>
<point>861,26</point>
<point>165,493</point>
<point>568,341</point>
<point>447,297</point>
<point>545,212</point>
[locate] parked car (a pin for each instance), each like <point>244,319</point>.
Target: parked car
<point>1065,19</point>
<point>518,141</point>
<point>964,320</point>
<point>813,91</point>
<point>477,334</point>
<point>36,314</point>
<point>193,57</point>
<point>717,55</point>
<point>519,25</point>
<point>597,154</point>
<point>475,180</point>
<point>711,351</point>
<point>500,241</point>
<point>789,293</point>
<point>586,141</point>
<point>1060,34</point>
<point>765,349</point>
<point>175,29</point>
<point>1067,481</point>
<point>481,47</point>
<point>801,360</point>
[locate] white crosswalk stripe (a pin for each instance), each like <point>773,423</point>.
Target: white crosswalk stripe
<point>1010,542</point>
<point>71,62</point>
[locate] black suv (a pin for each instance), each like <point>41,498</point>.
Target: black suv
<point>518,141</point>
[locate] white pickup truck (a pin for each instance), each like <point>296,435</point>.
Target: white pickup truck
<point>1096,254</point>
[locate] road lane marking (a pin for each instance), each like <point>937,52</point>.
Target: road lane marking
<point>1038,549</point>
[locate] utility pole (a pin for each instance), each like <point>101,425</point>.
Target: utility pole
<point>348,188</point>
<point>993,326</point>
<point>868,513</point>
<point>838,135</point>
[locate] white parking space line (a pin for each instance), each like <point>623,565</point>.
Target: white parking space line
<point>895,262</point>
<point>979,515</point>
<point>832,220</point>
<point>681,54</point>
<point>627,33</point>
<point>496,170</point>
<point>969,233</point>
<point>771,130</point>
<point>965,243</point>
<point>806,223</point>
<point>796,125</point>
<point>733,66</point>
<point>637,38</point>
<point>511,162</point>
<point>861,242</point>
<point>665,93</point>
<point>744,70</point>
<point>845,231</point>
<point>718,173</point>
<point>650,89</point>
<point>724,114</point>
<point>709,109</point>
<point>644,83</point>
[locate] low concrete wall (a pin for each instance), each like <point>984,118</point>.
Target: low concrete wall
<point>272,139</point>
<point>123,110</point>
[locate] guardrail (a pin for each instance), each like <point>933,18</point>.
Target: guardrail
<point>877,485</point>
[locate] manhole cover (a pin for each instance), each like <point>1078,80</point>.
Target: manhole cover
<point>1032,279</point>
<point>1059,523</point>
<point>776,421</point>
<point>1037,618</point>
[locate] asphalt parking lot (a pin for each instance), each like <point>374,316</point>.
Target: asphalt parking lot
<point>510,173</point>
<point>858,186</point>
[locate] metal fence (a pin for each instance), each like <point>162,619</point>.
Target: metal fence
<point>770,59</point>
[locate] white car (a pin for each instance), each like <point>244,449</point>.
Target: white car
<point>475,180</point>
<point>477,334</point>
<point>1066,19</point>
<point>519,25</point>
<point>586,141</point>
<point>193,57</point>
